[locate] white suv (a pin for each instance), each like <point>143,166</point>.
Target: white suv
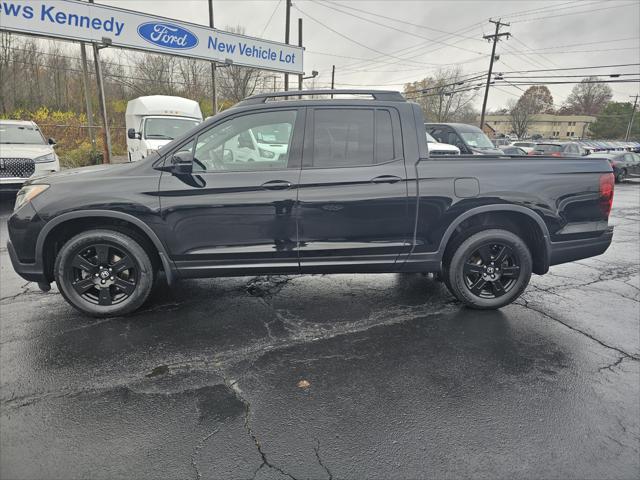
<point>24,153</point>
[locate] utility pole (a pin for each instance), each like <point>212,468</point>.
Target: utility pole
<point>214,97</point>
<point>333,77</point>
<point>495,39</point>
<point>286,40</point>
<point>300,45</point>
<point>102,101</point>
<point>633,114</point>
<point>87,94</point>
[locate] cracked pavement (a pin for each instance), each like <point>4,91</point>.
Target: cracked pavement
<point>330,377</point>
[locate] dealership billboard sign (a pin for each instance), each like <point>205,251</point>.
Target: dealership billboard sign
<point>90,22</point>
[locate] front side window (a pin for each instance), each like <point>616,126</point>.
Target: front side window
<point>258,141</point>
<point>351,137</point>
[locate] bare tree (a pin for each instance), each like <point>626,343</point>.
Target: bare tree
<point>589,97</point>
<point>520,116</point>
<point>444,97</point>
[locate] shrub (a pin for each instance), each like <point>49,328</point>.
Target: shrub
<point>82,156</point>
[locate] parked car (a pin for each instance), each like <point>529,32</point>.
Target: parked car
<point>468,138</point>
<point>559,149</point>
<point>624,164</point>
<point>526,146</point>
<point>357,193</point>
<point>437,148</point>
<point>501,142</point>
<point>24,153</point>
<point>155,120</point>
<point>510,150</point>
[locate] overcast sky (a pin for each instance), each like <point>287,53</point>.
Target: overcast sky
<point>385,43</point>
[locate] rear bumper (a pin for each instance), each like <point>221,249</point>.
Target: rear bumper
<point>29,271</point>
<point>569,251</point>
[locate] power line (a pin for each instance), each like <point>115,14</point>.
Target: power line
<point>576,13</point>
<point>577,68</point>
<point>581,51</point>
<point>635,80</point>
<point>346,37</point>
<point>270,18</point>
<point>332,7</point>
<point>386,17</point>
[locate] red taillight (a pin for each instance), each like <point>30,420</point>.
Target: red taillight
<point>556,154</point>
<point>531,153</point>
<point>606,193</point>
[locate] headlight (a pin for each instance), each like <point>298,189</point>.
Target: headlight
<point>28,193</point>
<point>266,153</point>
<point>49,157</point>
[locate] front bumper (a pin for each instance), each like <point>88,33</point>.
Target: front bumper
<point>32,272</point>
<point>569,251</point>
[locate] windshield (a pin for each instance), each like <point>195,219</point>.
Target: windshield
<point>477,139</point>
<point>524,144</point>
<point>167,128</point>
<point>277,134</point>
<point>25,134</point>
<point>546,148</point>
<point>430,139</point>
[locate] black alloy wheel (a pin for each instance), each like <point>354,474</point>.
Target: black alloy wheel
<point>491,270</point>
<point>488,269</point>
<point>104,275</point>
<point>104,272</point>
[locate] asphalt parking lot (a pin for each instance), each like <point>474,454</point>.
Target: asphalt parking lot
<point>331,377</point>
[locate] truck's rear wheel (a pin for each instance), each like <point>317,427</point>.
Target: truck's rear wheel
<point>489,270</point>
<point>104,273</point>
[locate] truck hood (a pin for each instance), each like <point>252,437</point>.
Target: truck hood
<point>13,150</point>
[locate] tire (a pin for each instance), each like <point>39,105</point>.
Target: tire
<point>104,273</point>
<point>620,177</point>
<point>496,252</point>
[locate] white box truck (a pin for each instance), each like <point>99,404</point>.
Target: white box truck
<point>155,120</point>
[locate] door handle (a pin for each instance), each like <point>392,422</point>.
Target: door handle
<point>276,185</point>
<point>386,179</point>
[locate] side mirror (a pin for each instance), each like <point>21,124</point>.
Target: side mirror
<point>51,142</point>
<point>131,133</point>
<point>182,163</point>
<point>227,156</point>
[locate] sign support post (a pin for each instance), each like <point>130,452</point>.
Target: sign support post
<point>214,97</point>
<point>103,104</point>
<point>87,94</point>
<point>300,45</point>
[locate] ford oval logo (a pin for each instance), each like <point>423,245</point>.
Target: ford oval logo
<point>167,35</point>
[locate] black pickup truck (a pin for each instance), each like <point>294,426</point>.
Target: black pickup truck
<point>342,185</point>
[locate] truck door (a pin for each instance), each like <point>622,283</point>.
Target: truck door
<point>231,216</point>
<point>352,200</point>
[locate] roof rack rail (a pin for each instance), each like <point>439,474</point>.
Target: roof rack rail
<point>378,95</point>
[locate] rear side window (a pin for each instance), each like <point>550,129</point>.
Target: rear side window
<point>345,137</point>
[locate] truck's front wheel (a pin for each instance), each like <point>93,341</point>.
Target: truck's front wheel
<point>490,269</point>
<point>104,273</point>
